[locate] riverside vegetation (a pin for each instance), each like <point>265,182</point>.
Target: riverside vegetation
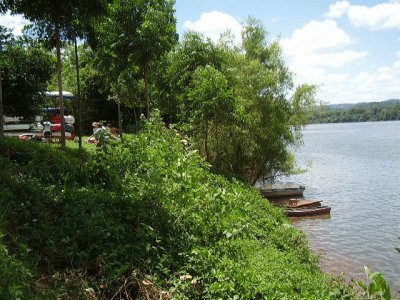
<point>388,110</point>
<point>144,219</point>
<point>150,218</point>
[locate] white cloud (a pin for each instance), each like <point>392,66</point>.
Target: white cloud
<point>318,53</point>
<point>380,84</point>
<point>316,36</point>
<point>14,22</point>
<point>338,9</point>
<point>212,24</point>
<point>318,46</point>
<point>380,16</point>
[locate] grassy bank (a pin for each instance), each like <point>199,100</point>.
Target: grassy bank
<point>144,219</point>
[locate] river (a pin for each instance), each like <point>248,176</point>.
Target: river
<point>355,170</point>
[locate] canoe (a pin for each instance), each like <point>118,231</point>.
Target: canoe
<point>308,211</point>
<point>282,192</point>
<point>299,203</point>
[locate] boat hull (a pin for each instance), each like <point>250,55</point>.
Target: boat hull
<point>300,203</point>
<point>307,212</point>
<point>279,193</point>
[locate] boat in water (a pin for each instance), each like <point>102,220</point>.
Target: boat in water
<point>308,211</point>
<point>301,203</point>
<point>282,190</point>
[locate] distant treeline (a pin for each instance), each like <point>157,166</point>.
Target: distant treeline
<point>375,111</point>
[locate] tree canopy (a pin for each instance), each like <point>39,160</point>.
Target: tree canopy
<point>27,69</point>
<point>237,104</point>
<point>242,95</point>
<point>132,38</point>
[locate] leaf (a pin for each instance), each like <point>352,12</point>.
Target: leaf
<point>363,285</point>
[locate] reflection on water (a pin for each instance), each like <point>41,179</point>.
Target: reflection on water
<point>355,170</point>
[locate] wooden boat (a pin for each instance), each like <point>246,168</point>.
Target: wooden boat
<point>299,203</point>
<point>275,191</point>
<point>308,211</point>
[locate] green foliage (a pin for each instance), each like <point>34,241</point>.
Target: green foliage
<point>237,106</point>
<point>27,70</point>
<point>5,37</point>
<point>15,278</point>
<point>194,51</point>
<point>254,43</point>
<point>362,112</point>
<point>145,217</point>
<point>377,288</point>
<point>55,21</point>
<point>133,37</point>
<point>209,110</point>
<point>65,14</point>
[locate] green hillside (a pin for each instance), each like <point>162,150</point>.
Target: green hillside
<point>145,219</point>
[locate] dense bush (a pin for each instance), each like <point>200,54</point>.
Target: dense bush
<point>143,219</point>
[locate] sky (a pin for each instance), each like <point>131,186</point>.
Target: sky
<point>349,49</point>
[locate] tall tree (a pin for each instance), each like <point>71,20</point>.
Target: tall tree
<point>57,18</point>
<point>211,108</point>
<point>4,37</point>
<point>134,36</point>
<point>253,40</point>
<point>238,105</point>
<point>193,52</point>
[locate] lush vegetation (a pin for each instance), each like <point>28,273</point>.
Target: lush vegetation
<point>144,218</point>
<point>243,96</point>
<point>362,112</point>
<point>26,68</point>
<point>167,213</point>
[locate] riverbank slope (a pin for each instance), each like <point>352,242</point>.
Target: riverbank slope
<point>145,218</point>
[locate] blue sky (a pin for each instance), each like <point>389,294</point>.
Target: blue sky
<point>349,48</point>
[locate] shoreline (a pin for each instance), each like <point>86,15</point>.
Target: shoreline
<point>338,265</point>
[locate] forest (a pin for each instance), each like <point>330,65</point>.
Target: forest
<point>388,110</point>
<point>169,211</point>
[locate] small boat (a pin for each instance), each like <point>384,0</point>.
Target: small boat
<point>299,203</point>
<point>308,211</point>
<point>279,191</point>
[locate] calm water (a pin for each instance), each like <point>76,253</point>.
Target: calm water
<point>355,170</point>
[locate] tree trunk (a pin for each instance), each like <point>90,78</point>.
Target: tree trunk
<point>1,110</point>
<point>206,143</point>
<point>60,88</point>
<point>217,159</point>
<point>134,115</point>
<point>119,121</point>
<point>78,86</point>
<point>146,89</point>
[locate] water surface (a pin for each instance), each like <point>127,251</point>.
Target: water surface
<point>355,170</point>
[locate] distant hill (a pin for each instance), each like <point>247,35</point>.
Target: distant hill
<point>357,112</point>
<point>345,106</point>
